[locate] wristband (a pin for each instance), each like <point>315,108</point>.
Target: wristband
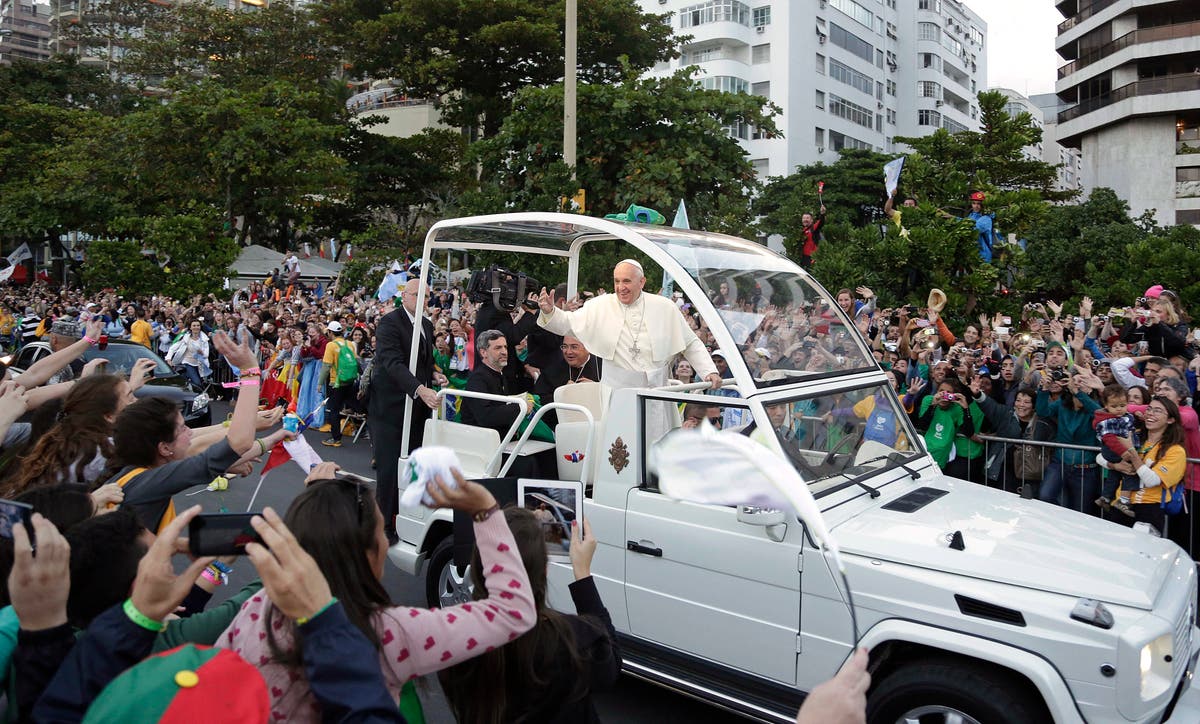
<point>215,578</point>
<point>142,619</point>
<point>221,567</point>
<point>242,383</point>
<point>250,372</point>
<point>483,515</point>
<point>262,446</point>
<point>305,619</point>
<point>89,340</point>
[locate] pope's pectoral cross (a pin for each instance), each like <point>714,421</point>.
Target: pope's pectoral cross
<point>635,350</point>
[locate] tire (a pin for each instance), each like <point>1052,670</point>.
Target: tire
<point>444,585</point>
<point>942,691</point>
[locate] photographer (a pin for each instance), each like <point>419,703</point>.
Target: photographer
<point>1073,472</point>
<point>1156,323</point>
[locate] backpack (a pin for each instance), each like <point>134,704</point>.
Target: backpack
<point>1029,461</point>
<point>1174,505</point>
<point>347,363</point>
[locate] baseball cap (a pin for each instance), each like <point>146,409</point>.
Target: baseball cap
<point>1154,292</point>
<point>335,326</point>
<point>978,196</point>
<point>718,353</point>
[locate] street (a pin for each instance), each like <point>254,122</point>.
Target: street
<point>631,701</point>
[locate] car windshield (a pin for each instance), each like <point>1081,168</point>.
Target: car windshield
<point>122,356</point>
<point>834,438</point>
<point>785,326</point>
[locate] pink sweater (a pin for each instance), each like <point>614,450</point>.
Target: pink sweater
<point>416,641</point>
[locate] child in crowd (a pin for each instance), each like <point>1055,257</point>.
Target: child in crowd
<point>1112,424</point>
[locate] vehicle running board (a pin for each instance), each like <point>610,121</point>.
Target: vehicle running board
<point>710,682</point>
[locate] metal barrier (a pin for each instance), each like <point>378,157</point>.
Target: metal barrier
<point>1081,485</point>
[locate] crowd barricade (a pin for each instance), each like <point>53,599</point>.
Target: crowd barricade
<point>1183,533</point>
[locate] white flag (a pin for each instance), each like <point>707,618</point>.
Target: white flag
<point>891,175</point>
<point>20,254</point>
<point>7,272</point>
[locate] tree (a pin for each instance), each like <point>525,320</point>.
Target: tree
<point>649,141</point>
<point>473,56</point>
<point>179,255</point>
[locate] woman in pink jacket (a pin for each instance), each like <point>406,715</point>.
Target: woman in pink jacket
<point>338,523</point>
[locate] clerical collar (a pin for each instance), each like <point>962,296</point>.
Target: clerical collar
<point>631,304</point>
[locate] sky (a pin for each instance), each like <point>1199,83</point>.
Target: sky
<point>1021,35</point>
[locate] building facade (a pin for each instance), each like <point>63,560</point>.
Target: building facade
<point>1132,87</point>
<point>24,30</point>
<point>1069,160</point>
<point>845,73</point>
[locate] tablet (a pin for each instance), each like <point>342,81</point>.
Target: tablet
<point>557,505</point>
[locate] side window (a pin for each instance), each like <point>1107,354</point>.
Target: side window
<point>663,417</point>
<point>28,356</point>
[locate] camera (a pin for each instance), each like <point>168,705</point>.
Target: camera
<point>1059,375</point>
<point>503,288</point>
<point>947,396</point>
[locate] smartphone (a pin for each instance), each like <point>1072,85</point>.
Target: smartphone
<point>11,513</point>
<point>1141,348</point>
<point>1039,356</point>
<point>221,534</point>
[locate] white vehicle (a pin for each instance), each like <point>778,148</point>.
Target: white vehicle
<point>977,606</point>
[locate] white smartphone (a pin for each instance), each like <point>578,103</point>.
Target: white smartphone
<point>557,505</point>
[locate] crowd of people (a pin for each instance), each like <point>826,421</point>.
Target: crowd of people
<point>315,636</point>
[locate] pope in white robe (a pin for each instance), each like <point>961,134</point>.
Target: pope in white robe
<point>635,334</point>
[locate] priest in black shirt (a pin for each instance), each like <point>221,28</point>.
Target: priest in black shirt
<point>575,365</point>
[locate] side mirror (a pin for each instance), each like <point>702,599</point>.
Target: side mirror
<point>751,515</point>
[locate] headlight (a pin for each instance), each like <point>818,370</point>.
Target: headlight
<point>200,402</point>
<point>1156,667</point>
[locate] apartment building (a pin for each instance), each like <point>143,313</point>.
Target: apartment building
<point>846,73</point>
<point>24,30</point>
<point>1131,85</point>
<point>1069,160</point>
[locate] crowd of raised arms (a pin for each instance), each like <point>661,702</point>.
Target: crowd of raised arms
<point>100,622</point>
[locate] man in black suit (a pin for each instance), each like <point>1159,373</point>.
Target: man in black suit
<point>392,386</point>
<point>489,377</point>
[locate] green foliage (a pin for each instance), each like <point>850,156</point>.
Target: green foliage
<point>121,264</point>
<point>632,148</point>
<point>475,55</point>
<point>177,255</point>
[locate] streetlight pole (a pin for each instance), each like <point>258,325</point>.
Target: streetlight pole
<point>569,91</point>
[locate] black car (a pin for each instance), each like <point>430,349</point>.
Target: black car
<point>121,356</point>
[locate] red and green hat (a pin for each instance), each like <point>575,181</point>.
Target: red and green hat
<point>184,685</point>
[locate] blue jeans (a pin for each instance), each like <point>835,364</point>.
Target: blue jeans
<point>1071,486</point>
<point>193,375</point>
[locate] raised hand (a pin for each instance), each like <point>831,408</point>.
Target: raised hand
<point>142,371</point>
<point>158,590</point>
<point>39,585</point>
<point>546,301</point>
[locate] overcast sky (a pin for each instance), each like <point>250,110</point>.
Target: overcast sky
<point>1021,35</point>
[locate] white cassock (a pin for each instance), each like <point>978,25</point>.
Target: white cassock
<point>636,341</point>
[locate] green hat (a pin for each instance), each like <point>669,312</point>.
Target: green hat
<point>187,684</point>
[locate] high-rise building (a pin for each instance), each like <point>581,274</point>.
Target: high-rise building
<point>1132,84</point>
<point>24,30</point>
<point>846,73</point>
<point>1069,160</point>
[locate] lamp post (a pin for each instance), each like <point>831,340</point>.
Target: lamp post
<point>569,92</point>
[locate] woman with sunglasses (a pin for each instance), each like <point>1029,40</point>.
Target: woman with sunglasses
<point>1159,462</point>
<point>339,524</point>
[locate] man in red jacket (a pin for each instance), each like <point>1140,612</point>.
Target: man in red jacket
<point>812,236</point>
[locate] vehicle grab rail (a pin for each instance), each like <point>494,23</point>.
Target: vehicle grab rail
<point>506,399</point>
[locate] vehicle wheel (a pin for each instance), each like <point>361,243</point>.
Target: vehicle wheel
<point>950,692</point>
<point>445,585</point>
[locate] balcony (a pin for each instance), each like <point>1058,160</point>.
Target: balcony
<point>1148,87</point>
<point>1135,37</point>
<point>1084,14</point>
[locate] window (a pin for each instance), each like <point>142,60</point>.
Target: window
<point>891,87</point>
<point>929,89</point>
<point>878,58</point>
<point>714,11</point>
<point>760,54</point>
<point>891,31</point>
<point>703,55</point>
<point>845,74</point>
<point>1186,173</point>
<point>976,37</point>
<point>761,16</point>
<point>820,64</point>
<point>952,125</point>
<point>725,84</point>
<point>952,44</point>
<point>891,116</point>
<point>891,59</point>
<point>929,60</point>
<point>852,112</point>
<point>843,38</point>
<point>856,11</point>
<point>739,130</point>
<point>821,100</point>
<point>929,31</point>
<point>761,89</point>
<point>819,137</point>
<point>838,141</point>
<point>929,118</point>
<point>1187,216</point>
<point>761,167</point>
<point>933,5</point>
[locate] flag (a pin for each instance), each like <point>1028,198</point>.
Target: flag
<point>349,253</point>
<point>298,450</point>
<point>333,249</point>
<point>7,272</point>
<point>681,217</point>
<point>20,254</point>
<point>307,250</point>
<point>891,175</point>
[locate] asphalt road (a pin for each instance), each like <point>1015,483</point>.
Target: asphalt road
<point>630,701</point>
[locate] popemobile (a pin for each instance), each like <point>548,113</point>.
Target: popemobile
<point>976,605</point>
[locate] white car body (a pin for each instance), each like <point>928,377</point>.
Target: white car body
<point>737,606</point>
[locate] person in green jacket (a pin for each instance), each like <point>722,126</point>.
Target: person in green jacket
<point>950,420</point>
<point>1072,478</point>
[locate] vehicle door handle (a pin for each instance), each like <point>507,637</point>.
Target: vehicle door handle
<point>639,548</point>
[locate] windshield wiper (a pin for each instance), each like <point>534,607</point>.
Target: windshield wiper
<point>894,457</point>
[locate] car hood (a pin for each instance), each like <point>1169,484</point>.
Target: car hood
<point>1014,541</point>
